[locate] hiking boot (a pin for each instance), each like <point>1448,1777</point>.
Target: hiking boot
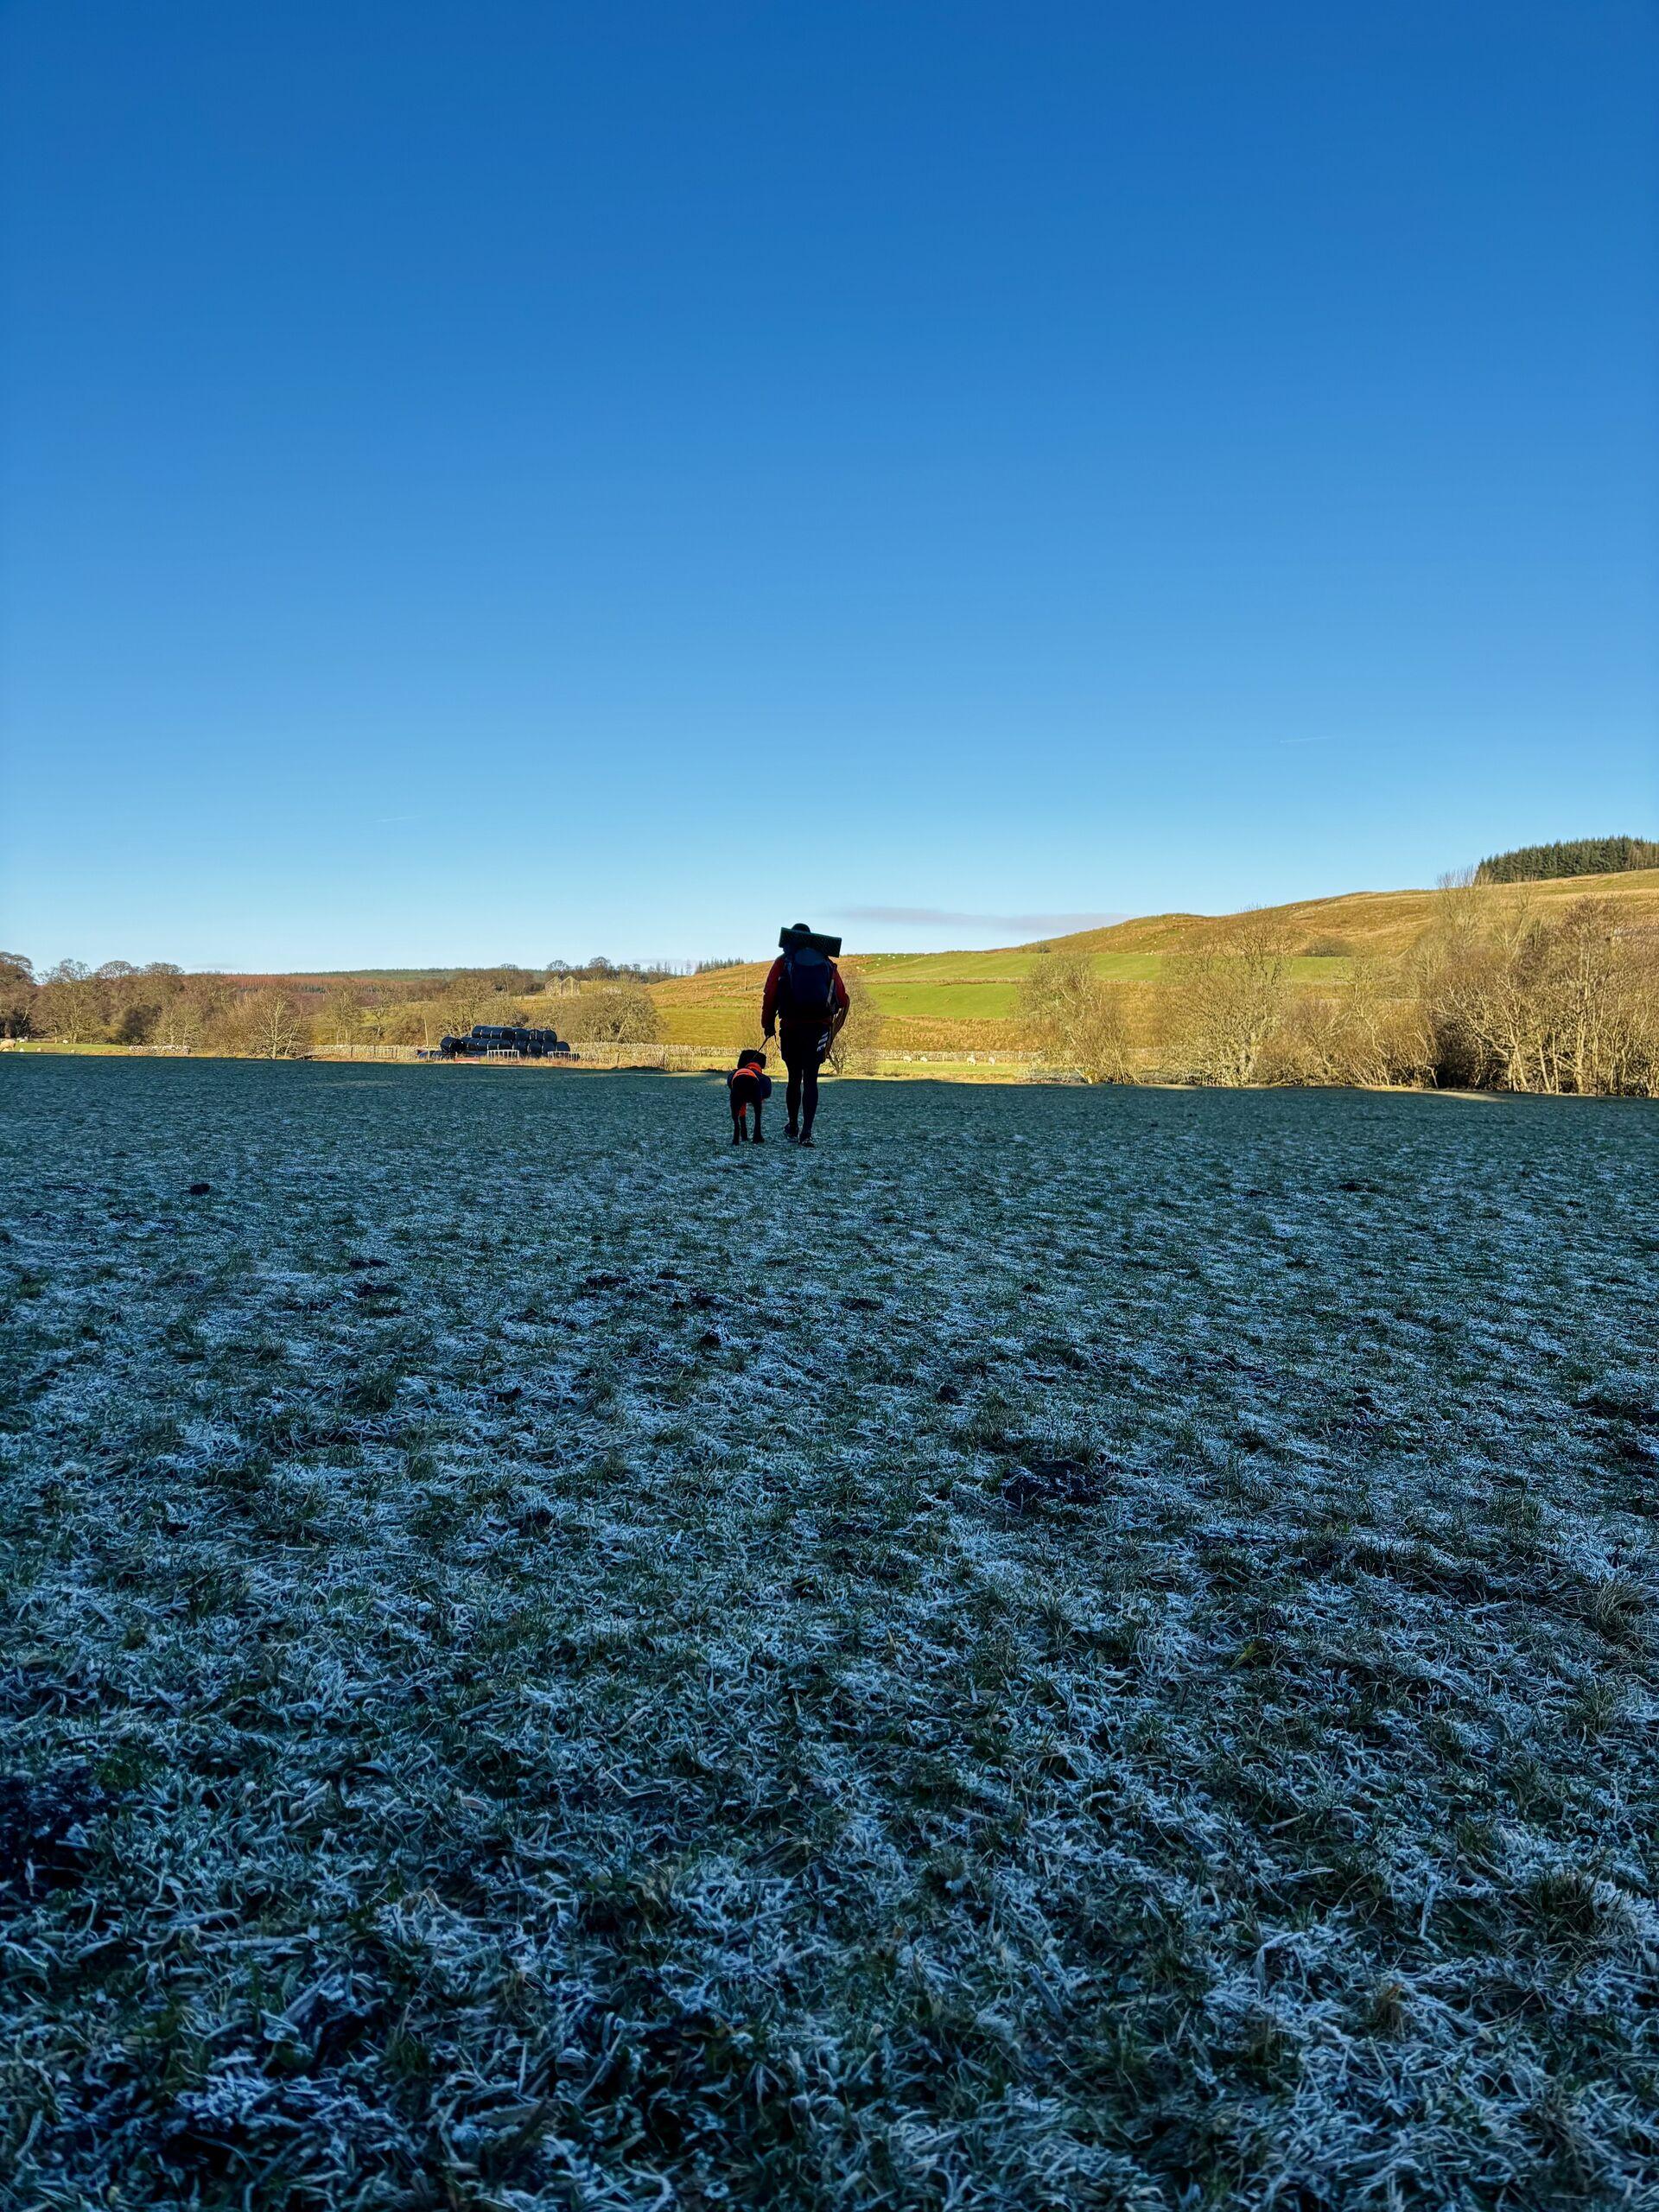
<point>806,1140</point>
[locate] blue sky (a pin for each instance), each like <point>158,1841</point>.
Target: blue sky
<point>532,478</point>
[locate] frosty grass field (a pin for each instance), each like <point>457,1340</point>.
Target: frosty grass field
<point>1070,1648</point>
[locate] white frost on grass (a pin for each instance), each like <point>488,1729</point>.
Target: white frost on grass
<point>1068,1649</point>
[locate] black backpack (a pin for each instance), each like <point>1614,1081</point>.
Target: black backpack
<point>809,982</point>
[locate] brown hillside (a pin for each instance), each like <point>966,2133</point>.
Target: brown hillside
<point>966,999</point>
<point>1373,921</point>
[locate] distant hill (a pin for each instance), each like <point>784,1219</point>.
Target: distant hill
<point>1580,856</point>
<point>937,1000</point>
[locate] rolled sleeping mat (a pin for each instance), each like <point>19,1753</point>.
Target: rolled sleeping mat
<point>792,940</point>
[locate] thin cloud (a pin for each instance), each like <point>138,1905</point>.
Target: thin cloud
<point>934,917</point>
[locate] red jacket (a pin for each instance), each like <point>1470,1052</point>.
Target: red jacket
<point>774,984</point>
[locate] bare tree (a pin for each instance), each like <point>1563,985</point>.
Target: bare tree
<point>185,1018</point>
<point>1075,1019</point>
<point>1370,1030</point>
<point>266,1025</point>
<point>375,1015</point>
<point>856,1042</point>
<point>70,1004</point>
<point>17,992</point>
<point>337,1021</point>
<point>1540,1002</point>
<point>460,1006</point>
<point>1597,1003</point>
<point>1235,998</point>
<point>625,1014</point>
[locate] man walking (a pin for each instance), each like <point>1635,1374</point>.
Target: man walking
<point>805,1003</point>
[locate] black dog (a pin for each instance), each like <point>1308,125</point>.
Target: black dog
<point>748,1085</point>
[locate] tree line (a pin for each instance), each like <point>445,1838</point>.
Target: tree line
<point>1493,996</point>
<point>1577,856</point>
<point>167,1009</point>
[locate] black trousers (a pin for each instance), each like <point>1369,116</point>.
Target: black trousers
<point>803,1050</point>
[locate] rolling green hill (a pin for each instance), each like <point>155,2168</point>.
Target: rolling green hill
<point>938,999</point>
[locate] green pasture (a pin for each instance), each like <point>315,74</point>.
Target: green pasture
<point>945,1002</point>
<point>928,985</point>
<point>985,986</point>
